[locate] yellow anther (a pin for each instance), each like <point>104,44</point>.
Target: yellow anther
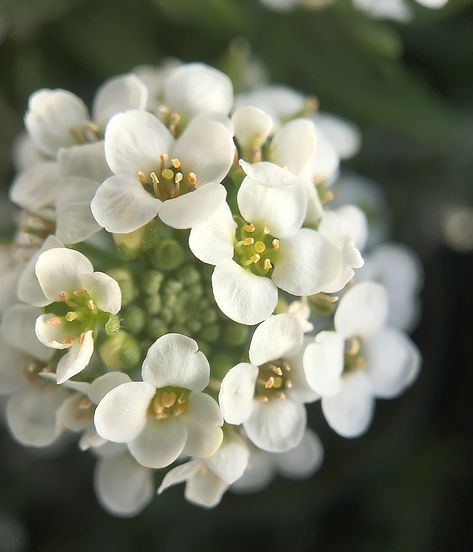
<point>157,405</point>
<point>168,398</point>
<point>178,177</point>
<point>176,163</point>
<point>56,321</point>
<point>277,370</point>
<point>267,264</point>
<point>162,415</point>
<point>90,304</point>
<point>181,399</point>
<point>326,298</point>
<point>175,118</point>
<point>250,228</point>
<point>164,110</point>
<point>288,384</point>
<point>69,340</point>
<point>90,125</point>
<point>178,409</point>
<point>84,403</point>
<point>154,178</point>
<point>71,315</point>
<point>262,398</point>
<point>281,395</point>
<point>275,243</point>
<point>204,470</point>
<point>79,292</point>
<point>269,383</point>
<point>167,174</point>
<point>352,346</point>
<point>141,177</point>
<point>248,241</point>
<point>285,366</point>
<point>266,230</point>
<point>319,180</point>
<point>260,247</point>
<point>328,196</point>
<point>277,383</point>
<point>64,295</point>
<point>255,258</point>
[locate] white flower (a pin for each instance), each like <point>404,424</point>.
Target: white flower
<point>57,118</point>
<point>301,310</point>
<point>154,173</point>
<point>300,462</point>
<point>65,275</point>
<point>207,479</point>
<point>166,414</point>
<point>359,361</point>
<point>268,249</point>
<point>123,487</point>
<point>35,187</point>
<point>397,10</point>
<point>267,394</point>
<point>154,77</point>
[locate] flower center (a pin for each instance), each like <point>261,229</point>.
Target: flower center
<point>273,380</point>
<point>85,408</point>
<point>168,181</point>
<point>87,133</point>
<point>167,403</point>
<point>354,360</point>
<point>257,249</point>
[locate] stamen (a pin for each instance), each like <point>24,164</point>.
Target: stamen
<point>269,383</point>
<point>352,347</point>
<point>266,230</point>
<point>178,178</point>
<point>255,258</point>
<point>90,305</point>
<point>277,370</point>
<point>277,383</point>
<point>178,409</point>
<point>181,399</point>
<point>141,177</point>
<point>176,163</point>
<point>288,384</point>
<point>84,403</point>
<point>248,241</point>
<point>64,295</point>
<point>90,125</point>
<point>192,180</point>
<point>267,264</point>
<point>157,405</point>
<point>168,398</point>
<point>175,118</point>
<point>249,228</point>
<point>164,159</point>
<point>69,340</point>
<point>79,292</point>
<point>285,366</point>
<point>56,321</point>
<point>155,181</point>
<point>260,247</point>
<point>164,110</point>
<point>275,243</point>
<point>281,395</point>
<point>81,338</point>
<point>262,398</point>
<point>326,298</point>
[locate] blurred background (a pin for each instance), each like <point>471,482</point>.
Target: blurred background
<point>406,485</point>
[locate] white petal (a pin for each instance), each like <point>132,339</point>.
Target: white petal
<point>121,414</point>
<point>269,174</point>
<point>29,291</point>
<point>205,489</point>
<point>121,204</point>
<point>293,145</point>
<point>277,337</point>
<point>195,88</point>
<point>362,311</point>
<point>282,210</point>
<point>68,415</point>
<point>50,116</point>
<point>307,261</point>
<point>74,219</point>
<point>52,334</point>
<point>76,359</point>
<point>116,95</point>
<point>123,487</point>
<point>323,363</point>
<point>36,186</point>
<point>194,207</point>
<point>203,419</point>
<point>179,474</point>
<point>346,223</point>
<point>11,369</point>
<point>300,391</point>
<point>343,135</point>
<point>18,329</point>
<point>86,160</point>
<point>175,360</point>
<point>392,362</point>
<point>259,472</point>
<point>277,425</point>
<point>60,269</point>
<point>31,414</point>
<point>350,412</point>
<point>236,393</point>
<point>205,148</point>
<point>324,164</point>
<point>301,461</point>
<point>90,439</point>
<point>315,209</point>
<point>103,384</point>
<point>104,291</point>
<point>230,460</point>
<point>160,443</point>
<point>134,141</point>
<point>349,258</point>
<point>252,126</point>
<point>243,296</point>
<point>25,153</point>
<point>211,241</point>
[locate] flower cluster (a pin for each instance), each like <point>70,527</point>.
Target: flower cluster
<point>230,290</point>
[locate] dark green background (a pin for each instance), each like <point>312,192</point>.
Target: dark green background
<point>406,485</point>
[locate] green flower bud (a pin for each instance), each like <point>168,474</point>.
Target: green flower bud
<point>210,333</point>
<point>151,282</point>
<point>156,327</point>
<point>196,290</point>
<point>153,304</point>
<point>194,326</point>
<point>120,351</point>
<point>235,334</point>
<point>134,319</point>
<point>208,316</point>
<point>167,255</point>
<point>167,315</point>
<point>112,325</point>
<point>189,275</point>
<point>127,284</point>
<point>129,245</point>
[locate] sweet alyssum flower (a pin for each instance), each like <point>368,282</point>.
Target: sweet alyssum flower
<point>361,360</point>
<point>166,414</point>
<point>78,299</point>
<point>157,174</point>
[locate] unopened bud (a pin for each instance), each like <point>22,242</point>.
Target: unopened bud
<point>156,327</point>
<point>167,255</point>
<point>127,284</point>
<point>210,333</point>
<point>120,351</point>
<point>151,282</point>
<point>134,319</point>
<point>235,334</point>
<point>153,304</point>
<point>112,325</point>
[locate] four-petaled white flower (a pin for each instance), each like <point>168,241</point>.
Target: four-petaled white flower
<point>267,394</point>
<point>359,361</point>
<point>166,414</point>
<point>156,174</point>
<point>66,276</point>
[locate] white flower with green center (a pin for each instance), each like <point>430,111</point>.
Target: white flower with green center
<point>156,174</point>
<point>266,248</point>
<point>397,10</point>
<point>363,359</point>
<point>166,414</point>
<point>267,394</point>
<point>207,479</point>
<point>58,119</point>
<point>77,300</point>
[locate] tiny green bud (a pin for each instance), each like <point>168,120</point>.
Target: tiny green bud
<point>208,316</point>
<point>120,351</point>
<point>134,319</point>
<point>196,290</point>
<point>167,315</point>
<point>235,334</point>
<point>151,282</point>
<point>210,333</point>
<point>112,325</point>
<point>153,304</point>
<point>194,326</point>
<point>129,245</point>
<point>167,255</point>
<point>127,284</point>
<point>189,275</point>
<point>156,328</point>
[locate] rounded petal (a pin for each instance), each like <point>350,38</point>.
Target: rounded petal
<point>103,384</point>
<point>175,360</point>
<point>269,174</point>
<point>293,145</point>
<point>346,223</point>
<point>179,474</point>
<point>121,204</point>
<point>362,311</point>
<point>52,334</point>
<point>160,443</point>
<point>392,362</point>
<point>194,207</point>
<point>50,117</point>
<point>134,141</point>
<point>306,262</point>
<point>121,415</point>
<point>342,272</point>
<point>68,415</point>
<point>243,296</point>
<point>74,219</point>
<point>205,489</point>
<point>258,474</point>
<point>350,412</point>
<point>60,269</point>
<point>86,161</point>
<point>279,336</point>
<point>36,186</point>
<point>11,369</point>
<point>300,391</point>
<point>116,95</point>
<point>323,166</point>
<point>18,329</point>
<point>231,459</point>
<point>323,363</point>
<point>205,148</point>
<point>343,135</point>
<point>211,241</point>
<point>104,290</point>
<point>236,393</point>
<point>203,421</point>
<point>277,425</point>
<point>123,487</point>
<point>302,461</point>
<point>252,126</point>
<point>76,359</point>
<point>282,210</point>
